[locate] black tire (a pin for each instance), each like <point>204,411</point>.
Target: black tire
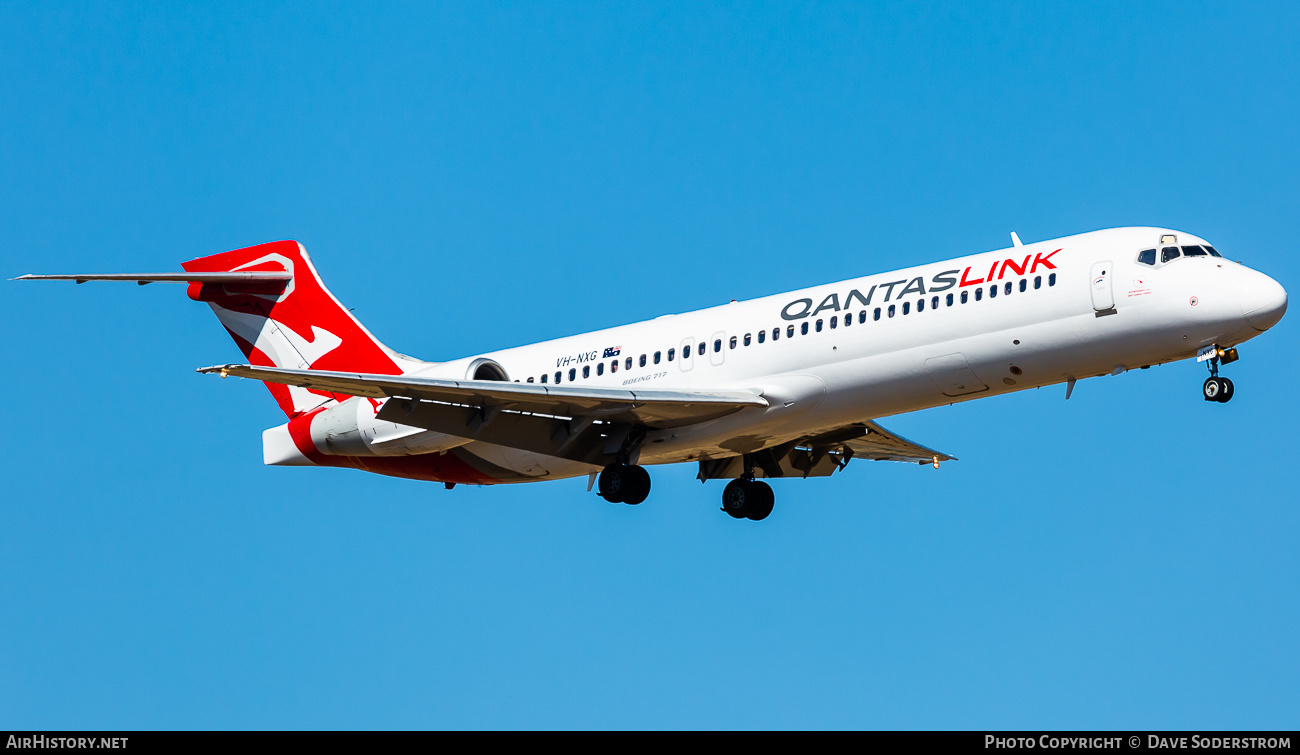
<point>613,483</point>
<point>1226,394</point>
<point>1212,389</point>
<point>764,500</point>
<point>638,485</point>
<point>736,499</point>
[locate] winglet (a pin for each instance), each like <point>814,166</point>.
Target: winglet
<point>1015,240</point>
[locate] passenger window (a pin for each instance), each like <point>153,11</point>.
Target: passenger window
<point>600,369</point>
<point>658,354</point>
<point>789,331</point>
<point>1193,251</point>
<point>979,294</point>
<point>732,343</point>
<point>934,302</point>
<point>717,345</point>
<point>1212,251</point>
<point>1008,288</point>
<point>671,353</point>
<point>543,378</point>
<point>834,320</point>
<point>1147,256</point>
<point>748,339</point>
<point>803,328</point>
<point>891,310</point>
<point>948,300</point>
<point>1051,279</point>
<point>1038,281</point>
<point>862,317</point>
<point>762,336</point>
<point>907,307</point>
<point>965,296</point>
<point>1168,253</point>
<point>848,319</point>
<point>613,367</point>
<point>557,378</point>
<point>819,326</point>
<point>573,373</point>
<point>877,315</point>
<point>920,305</point>
<point>530,380</point>
<point>627,365</point>
<point>641,362</point>
<point>1024,284</point>
<point>993,290</point>
<point>586,371</point>
<point>776,334</point>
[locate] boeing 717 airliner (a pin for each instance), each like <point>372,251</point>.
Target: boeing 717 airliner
<point>783,386</point>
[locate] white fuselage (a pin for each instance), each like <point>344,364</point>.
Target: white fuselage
<point>1064,309</point>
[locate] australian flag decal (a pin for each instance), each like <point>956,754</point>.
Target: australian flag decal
<point>612,351</point>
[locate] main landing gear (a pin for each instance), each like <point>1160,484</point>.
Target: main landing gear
<point>624,483</point>
<point>748,498</point>
<point>1219,388</point>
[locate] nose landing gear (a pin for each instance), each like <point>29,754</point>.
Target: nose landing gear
<point>1218,388</point>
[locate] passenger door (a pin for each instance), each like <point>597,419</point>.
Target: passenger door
<point>1103,300</point>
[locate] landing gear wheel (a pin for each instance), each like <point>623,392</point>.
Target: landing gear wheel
<point>1213,389</point>
<point>1225,395</point>
<point>764,500</point>
<point>736,498</point>
<point>613,482</point>
<point>748,499</point>
<point>638,487</point>
<point>624,483</point>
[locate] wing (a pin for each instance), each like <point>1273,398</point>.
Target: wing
<point>653,409</point>
<point>592,425</point>
<point>825,453</point>
<point>871,441</point>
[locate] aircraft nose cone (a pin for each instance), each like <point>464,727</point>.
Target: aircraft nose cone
<point>1263,302</point>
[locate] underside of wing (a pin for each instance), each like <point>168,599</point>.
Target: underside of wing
<point>823,454</point>
<point>871,441</point>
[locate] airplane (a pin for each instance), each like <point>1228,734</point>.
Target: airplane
<point>789,385</point>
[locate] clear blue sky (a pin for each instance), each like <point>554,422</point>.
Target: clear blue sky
<point>471,176</point>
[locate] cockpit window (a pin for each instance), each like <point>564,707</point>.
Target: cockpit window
<point>1147,257</point>
<point>1193,251</point>
<point>1168,253</point>
<point>1212,252</point>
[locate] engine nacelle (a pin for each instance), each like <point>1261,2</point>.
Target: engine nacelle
<point>351,429</point>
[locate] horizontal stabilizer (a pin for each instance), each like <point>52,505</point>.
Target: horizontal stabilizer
<point>657,409</point>
<point>147,278</point>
